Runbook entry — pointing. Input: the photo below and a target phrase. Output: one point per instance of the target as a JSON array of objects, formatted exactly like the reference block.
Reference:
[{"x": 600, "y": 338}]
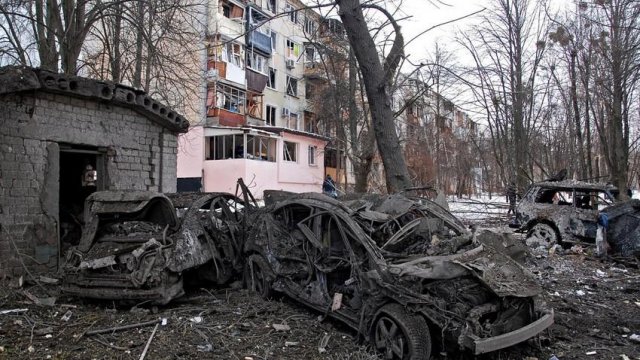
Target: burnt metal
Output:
[
  {"x": 562, "y": 211},
  {"x": 354, "y": 260},
  {"x": 138, "y": 245}
]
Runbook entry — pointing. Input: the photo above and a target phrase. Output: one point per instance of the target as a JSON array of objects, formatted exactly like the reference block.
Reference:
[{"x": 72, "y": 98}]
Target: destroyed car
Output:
[
  {"x": 403, "y": 272},
  {"x": 562, "y": 211},
  {"x": 137, "y": 245}
]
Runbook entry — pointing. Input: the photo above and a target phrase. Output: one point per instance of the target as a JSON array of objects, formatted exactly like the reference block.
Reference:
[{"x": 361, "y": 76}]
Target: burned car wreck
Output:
[
  {"x": 138, "y": 245},
  {"x": 401, "y": 271},
  {"x": 562, "y": 211}
]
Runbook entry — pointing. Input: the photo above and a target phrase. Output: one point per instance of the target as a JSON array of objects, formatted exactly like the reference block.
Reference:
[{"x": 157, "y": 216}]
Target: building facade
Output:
[
  {"x": 258, "y": 124},
  {"x": 62, "y": 138}
]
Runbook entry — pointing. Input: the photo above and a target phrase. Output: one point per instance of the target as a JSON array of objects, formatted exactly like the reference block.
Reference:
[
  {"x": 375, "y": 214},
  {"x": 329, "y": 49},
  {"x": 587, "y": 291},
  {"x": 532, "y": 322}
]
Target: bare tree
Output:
[{"x": 507, "y": 48}]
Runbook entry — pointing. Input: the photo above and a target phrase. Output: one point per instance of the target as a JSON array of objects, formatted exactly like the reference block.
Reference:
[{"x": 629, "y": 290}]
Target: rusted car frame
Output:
[
  {"x": 134, "y": 246},
  {"x": 380, "y": 261}
]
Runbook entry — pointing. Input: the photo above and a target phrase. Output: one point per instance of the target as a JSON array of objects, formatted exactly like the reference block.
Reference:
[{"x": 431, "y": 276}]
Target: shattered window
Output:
[
  {"x": 224, "y": 147},
  {"x": 261, "y": 148},
  {"x": 292, "y": 86},
  {"x": 554, "y": 196},
  {"x": 230, "y": 98},
  {"x": 289, "y": 151}
]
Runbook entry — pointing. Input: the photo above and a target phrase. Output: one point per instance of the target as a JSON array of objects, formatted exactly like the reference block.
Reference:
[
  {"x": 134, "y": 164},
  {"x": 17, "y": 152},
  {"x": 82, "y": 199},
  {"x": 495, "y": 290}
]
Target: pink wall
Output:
[
  {"x": 222, "y": 175},
  {"x": 191, "y": 152}
]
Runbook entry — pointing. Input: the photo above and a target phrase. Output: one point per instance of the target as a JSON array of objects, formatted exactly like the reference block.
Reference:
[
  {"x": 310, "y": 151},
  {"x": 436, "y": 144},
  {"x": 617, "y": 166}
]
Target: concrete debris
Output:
[
  {"x": 635, "y": 337},
  {"x": 281, "y": 327}
]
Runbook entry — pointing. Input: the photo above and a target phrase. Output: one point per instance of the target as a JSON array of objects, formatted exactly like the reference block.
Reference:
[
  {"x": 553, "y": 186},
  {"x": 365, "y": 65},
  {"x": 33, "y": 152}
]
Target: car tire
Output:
[
  {"x": 398, "y": 335},
  {"x": 545, "y": 234},
  {"x": 258, "y": 277}
]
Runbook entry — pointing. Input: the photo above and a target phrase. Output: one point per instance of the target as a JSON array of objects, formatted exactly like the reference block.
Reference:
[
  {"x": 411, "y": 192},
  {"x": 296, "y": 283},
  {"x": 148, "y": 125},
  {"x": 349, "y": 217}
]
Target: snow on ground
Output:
[{"x": 480, "y": 210}]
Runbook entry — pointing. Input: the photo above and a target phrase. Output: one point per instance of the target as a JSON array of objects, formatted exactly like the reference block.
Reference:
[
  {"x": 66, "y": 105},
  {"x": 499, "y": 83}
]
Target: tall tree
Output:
[
  {"x": 507, "y": 48},
  {"x": 377, "y": 77}
]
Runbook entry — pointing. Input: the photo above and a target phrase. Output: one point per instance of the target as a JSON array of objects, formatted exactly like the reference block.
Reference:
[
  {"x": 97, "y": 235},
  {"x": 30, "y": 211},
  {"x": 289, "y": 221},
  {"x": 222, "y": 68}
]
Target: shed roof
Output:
[{"x": 15, "y": 79}]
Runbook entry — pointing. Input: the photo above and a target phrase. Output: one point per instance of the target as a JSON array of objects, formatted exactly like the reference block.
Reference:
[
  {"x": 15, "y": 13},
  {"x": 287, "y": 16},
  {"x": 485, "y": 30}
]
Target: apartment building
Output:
[
  {"x": 258, "y": 125},
  {"x": 437, "y": 137}
]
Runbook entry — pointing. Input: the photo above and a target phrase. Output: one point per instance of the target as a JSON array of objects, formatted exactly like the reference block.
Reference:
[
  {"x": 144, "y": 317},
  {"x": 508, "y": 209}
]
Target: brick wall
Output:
[{"x": 142, "y": 156}]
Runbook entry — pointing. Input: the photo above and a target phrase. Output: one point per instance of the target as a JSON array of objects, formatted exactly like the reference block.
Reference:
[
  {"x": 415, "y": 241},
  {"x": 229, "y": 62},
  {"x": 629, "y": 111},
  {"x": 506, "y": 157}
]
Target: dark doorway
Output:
[{"x": 81, "y": 174}]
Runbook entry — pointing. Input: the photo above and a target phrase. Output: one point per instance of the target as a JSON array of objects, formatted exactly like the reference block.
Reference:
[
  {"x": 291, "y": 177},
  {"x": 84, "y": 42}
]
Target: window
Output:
[
  {"x": 289, "y": 151},
  {"x": 292, "y": 50},
  {"x": 309, "y": 54},
  {"x": 232, "y": 53},
  {"x": 261, "y": 148},
  {"x": 309, "y": 25},
  {"x": 271, "y": 115},
  {"x": 257, "y": 62},
  {"x": 292, "y": 121},
  {"x": 292, "y": 86},
  {"x": 292, "y": 13},
  {"x": 272, "y": 6},
  {"x": 223, "y": 147},
  {"x": 274, "y": 41},
  {"x": 312, "y": 155},
  {"x": 230, "y": 98},
  {"x": 271, "y": 82},
  {"x": 230, "y": 10}
]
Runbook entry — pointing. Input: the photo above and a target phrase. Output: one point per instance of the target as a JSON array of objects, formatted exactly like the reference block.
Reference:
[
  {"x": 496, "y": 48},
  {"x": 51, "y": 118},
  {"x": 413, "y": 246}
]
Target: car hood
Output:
[{"x": 496, "y": 270}]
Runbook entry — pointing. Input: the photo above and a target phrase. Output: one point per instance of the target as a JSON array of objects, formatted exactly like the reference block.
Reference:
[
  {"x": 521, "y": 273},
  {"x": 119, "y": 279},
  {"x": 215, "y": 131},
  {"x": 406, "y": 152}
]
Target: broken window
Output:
[
  {"x": 261, "y": 148},
  {"x": 271, "y": 115},
  {"x": 232, "y": 53},
  {"x": 292, "y": 50},
  {"x": 231, "y": 10},
  {"x": 292, "y": 86},
  {"x": 224, "y": 147},
  {"x": 230, "y": 98},
  {"x": 257, "y": 62},
  {"x": 233, "y": 147},
  {"x": 271, "y": 82},
  {"x": 290, "y": 151}
]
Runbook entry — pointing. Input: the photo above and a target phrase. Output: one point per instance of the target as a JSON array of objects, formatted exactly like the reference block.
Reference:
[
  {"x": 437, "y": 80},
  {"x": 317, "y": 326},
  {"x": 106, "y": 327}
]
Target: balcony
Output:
[
  {"x": 225, "y": 117},
  {"x": 314, "y": 71},
  {"x": 256, "y": 81},
  {"x": 259, "y": 41}
]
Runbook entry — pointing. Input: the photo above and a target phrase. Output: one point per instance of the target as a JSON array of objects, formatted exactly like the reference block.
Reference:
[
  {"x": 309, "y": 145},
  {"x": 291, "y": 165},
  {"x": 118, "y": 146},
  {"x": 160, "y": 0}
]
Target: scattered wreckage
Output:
[
  {"x": 569, "y": 211},
  {"x": 403, "y": 272},
  {"x": 134, "y": 246}
]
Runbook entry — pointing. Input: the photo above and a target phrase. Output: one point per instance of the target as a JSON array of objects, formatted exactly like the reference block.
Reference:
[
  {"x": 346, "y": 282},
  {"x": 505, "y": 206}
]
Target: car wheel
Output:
[
  {"x": 542, "y": 234},
  {"x": 257, "y": 276},
  {"x": 398, "y": 335}
]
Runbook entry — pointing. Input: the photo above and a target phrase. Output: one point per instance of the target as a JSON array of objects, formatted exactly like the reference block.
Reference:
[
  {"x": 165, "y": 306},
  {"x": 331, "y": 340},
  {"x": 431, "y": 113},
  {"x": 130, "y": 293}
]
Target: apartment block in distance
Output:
[{"x": 258, "y": 126}]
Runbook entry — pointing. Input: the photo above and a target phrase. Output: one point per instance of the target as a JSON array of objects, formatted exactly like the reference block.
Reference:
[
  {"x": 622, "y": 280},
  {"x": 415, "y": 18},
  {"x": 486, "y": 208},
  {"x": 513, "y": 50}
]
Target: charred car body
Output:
[
  {"x": 562, "y": 211},
  {"x": 402, "y": 272},
  {"x": 134, "y": 245}
]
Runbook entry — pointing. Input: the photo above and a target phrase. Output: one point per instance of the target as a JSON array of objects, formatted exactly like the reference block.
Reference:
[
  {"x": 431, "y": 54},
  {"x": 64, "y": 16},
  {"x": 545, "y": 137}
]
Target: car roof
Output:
[{"x": 575, "y": 184}]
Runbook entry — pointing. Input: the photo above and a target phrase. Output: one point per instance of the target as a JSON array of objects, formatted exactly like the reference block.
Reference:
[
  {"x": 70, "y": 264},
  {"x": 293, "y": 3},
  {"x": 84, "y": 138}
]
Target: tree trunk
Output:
[{"x": 376, "y": 84}]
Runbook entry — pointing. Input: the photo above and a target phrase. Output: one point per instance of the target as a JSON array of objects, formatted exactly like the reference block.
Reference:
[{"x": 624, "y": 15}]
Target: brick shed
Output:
[{"x": 63, "y": 137}]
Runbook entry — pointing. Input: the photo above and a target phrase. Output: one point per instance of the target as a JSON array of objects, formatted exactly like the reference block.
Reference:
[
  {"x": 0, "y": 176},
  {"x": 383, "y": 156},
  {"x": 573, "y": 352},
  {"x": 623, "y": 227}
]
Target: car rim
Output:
[{"x": 390, "y": 339}]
